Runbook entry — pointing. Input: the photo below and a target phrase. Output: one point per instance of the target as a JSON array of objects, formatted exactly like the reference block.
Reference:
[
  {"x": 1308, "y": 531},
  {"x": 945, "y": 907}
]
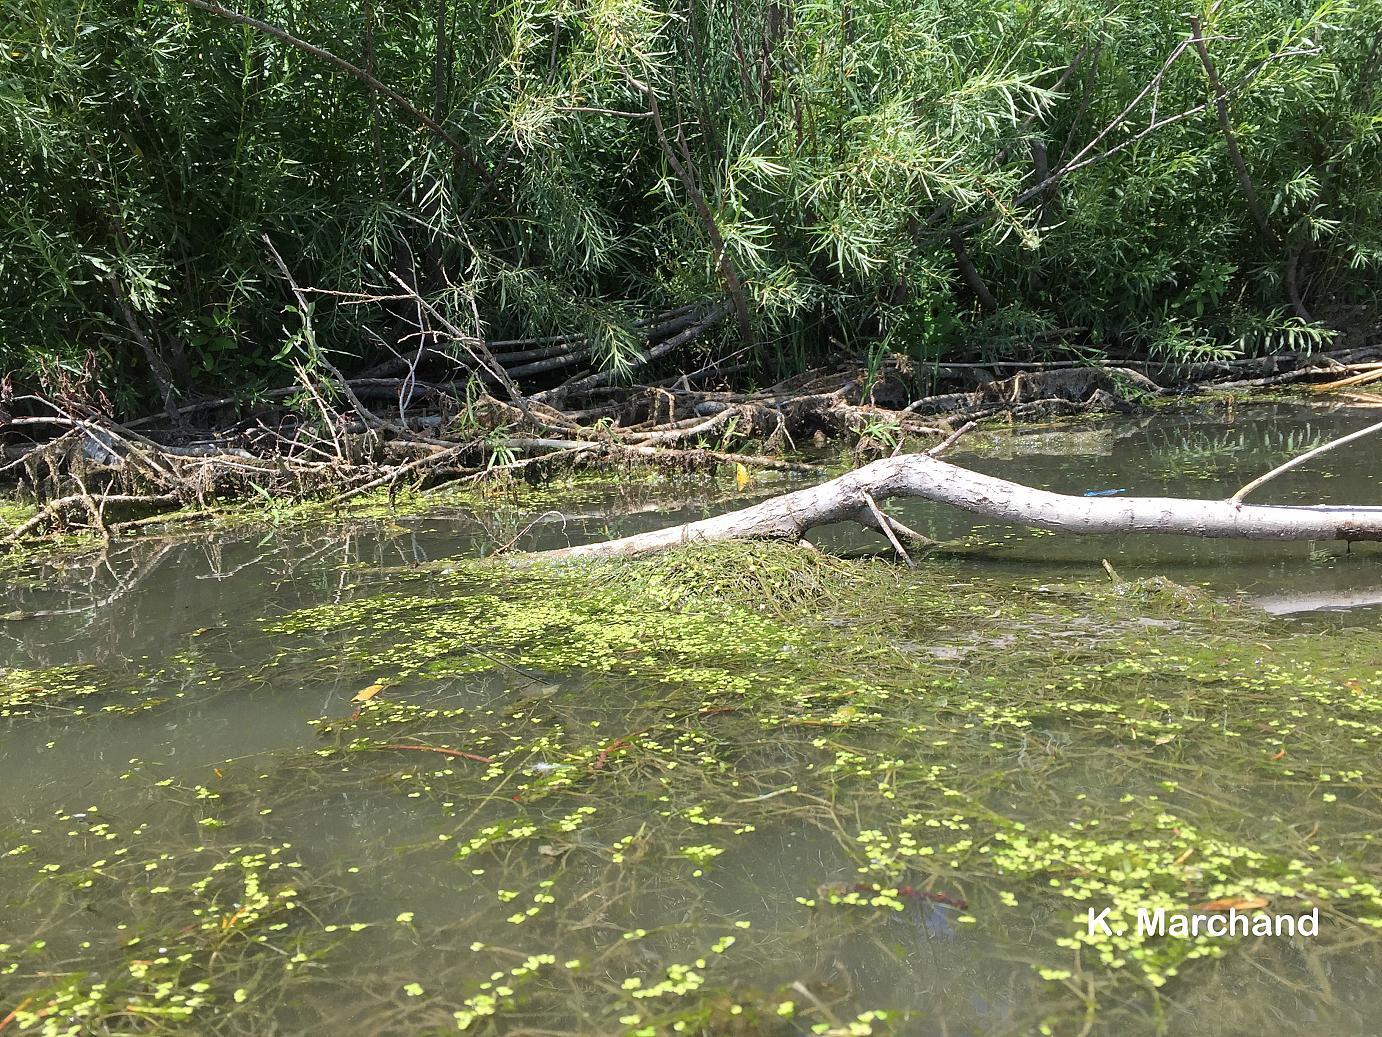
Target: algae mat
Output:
[{"x": 741, "y": 790}]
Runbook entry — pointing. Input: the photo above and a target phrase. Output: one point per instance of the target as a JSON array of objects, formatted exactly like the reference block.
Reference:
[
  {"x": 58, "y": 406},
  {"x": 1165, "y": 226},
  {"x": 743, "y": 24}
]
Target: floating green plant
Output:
[{"x": 750, "y": 790}]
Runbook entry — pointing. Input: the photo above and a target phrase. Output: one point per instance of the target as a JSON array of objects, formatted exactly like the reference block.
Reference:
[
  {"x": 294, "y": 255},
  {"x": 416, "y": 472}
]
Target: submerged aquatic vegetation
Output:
[
  {"x": 23, "y": 691},
  {"x": 125, "y": 940},
  {"x": 90, "y": 689},
  {"x": 679, "y": 796}
]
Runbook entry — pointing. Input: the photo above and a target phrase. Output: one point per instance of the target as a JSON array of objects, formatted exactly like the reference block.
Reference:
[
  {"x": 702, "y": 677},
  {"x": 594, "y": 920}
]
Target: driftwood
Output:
[
  {"x": 1321, "y": 601},
  {"x": 853, "y": 498},
  {"x": 481, "y": 407}
]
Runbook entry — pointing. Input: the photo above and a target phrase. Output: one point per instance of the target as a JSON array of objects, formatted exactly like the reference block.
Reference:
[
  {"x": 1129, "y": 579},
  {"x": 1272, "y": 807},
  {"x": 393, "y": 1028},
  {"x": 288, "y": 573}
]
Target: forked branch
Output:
[{"x": 855, "y": 495}]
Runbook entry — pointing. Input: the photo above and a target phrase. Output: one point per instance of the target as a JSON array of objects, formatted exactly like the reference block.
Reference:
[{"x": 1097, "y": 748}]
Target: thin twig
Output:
[
  {"x": 158, "y": 366},
  {"x": 455, "y": 753},
  {"x": 476, "y": 346},
  {"x": 523, "y": 532},
  {"x": 1237, "y": 498},
  {"x": 885, "y": 526},
  {"x": 949, "y": 440},
  {"x": 1240, "y": 167},
  {"x": 53, "y": 508},
  {"x": 681, "y": 167},
  {"x": 394, "y": 474}
]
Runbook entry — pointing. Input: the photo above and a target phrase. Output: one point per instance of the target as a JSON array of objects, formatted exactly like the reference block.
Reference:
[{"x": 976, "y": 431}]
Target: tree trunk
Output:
[{"x": 846, "y": 499}]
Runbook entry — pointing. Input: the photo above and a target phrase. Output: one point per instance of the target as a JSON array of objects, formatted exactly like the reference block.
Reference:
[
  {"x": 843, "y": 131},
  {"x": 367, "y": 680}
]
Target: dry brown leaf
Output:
[
  {"x": 365, "y": 694},
  {"x": 1235, "y": 904}
]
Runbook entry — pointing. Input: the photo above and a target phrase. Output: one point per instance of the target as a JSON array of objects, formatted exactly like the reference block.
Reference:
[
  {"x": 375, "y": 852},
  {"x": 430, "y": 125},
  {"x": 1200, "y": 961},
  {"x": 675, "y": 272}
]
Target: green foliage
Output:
[{"x": 843, "y": 148}]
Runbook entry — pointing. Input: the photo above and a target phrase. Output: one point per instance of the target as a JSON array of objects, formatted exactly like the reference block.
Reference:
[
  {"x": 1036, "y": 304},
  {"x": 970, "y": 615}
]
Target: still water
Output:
[{"x": 349, "y": 777}]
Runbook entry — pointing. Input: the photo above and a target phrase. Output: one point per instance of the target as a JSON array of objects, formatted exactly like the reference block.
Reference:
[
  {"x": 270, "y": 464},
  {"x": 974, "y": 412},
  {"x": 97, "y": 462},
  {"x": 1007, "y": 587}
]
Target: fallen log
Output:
[
  {"x": 1322, "y": 601},
  {"x": 847, "y": 499}
]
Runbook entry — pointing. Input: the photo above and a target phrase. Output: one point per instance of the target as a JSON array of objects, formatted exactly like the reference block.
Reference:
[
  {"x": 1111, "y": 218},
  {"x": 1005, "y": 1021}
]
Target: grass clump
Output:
[
  {"x": 763, "y": 576},
  {"x": 14, "y": 513}
]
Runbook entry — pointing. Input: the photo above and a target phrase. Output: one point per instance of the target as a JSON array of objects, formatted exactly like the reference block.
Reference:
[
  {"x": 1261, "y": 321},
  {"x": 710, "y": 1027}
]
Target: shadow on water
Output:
[{"x": 342, "y": 778}]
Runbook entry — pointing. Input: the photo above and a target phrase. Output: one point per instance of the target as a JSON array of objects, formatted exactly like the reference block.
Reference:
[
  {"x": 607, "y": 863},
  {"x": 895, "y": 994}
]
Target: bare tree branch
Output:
[
  {"x": 1235, "y": 156},
  {"x": 733, "y": 285}
]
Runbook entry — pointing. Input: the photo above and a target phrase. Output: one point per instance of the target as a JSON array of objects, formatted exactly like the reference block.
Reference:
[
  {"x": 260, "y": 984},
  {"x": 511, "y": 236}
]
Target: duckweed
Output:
[{"x": 751, "y": 790}]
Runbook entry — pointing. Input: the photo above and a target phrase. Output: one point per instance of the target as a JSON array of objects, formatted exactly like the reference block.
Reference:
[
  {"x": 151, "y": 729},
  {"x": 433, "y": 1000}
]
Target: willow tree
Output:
[{"x": 934, "y": 179}]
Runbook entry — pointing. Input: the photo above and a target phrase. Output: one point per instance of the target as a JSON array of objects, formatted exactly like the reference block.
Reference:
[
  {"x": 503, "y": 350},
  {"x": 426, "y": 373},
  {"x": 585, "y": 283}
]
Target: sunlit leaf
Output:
[
  {"x": 1244, "y": 903},
  {"x": 365, "y": 694}
]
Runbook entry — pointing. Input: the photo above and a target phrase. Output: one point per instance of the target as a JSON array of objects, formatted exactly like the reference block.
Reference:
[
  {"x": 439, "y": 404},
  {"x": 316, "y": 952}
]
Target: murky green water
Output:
[{"x": 725, "y": 792}]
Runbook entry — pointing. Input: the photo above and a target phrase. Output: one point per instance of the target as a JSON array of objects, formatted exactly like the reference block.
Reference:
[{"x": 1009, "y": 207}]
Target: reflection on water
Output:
[
  {"x": 715, "y": 823},
  {"x": 1188, "y": 455}
]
